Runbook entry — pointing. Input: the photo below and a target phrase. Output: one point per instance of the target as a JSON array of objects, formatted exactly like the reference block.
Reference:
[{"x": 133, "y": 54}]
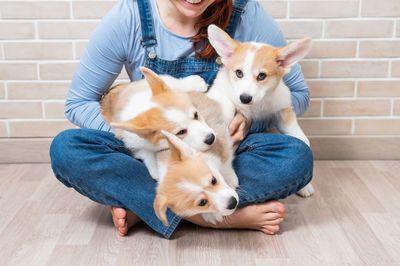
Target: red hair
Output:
[{"x": 217, "y": 13}]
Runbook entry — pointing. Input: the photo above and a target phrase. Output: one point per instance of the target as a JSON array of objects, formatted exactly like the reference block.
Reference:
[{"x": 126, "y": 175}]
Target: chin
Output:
[{"x": 192, "y": 10}]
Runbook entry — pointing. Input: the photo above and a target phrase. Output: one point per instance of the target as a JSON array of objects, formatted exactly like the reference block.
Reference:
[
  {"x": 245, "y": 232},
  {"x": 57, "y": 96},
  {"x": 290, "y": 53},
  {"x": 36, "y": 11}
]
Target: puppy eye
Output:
[
  {"x": 239, "y": 73},
  {"x": 196, "y": 116},
  {"x": 261, "y": 76},
  {"x": 181, "y": 132},
  {"x": 203, "y": 202},
  {"x": 213, "y": 181}
]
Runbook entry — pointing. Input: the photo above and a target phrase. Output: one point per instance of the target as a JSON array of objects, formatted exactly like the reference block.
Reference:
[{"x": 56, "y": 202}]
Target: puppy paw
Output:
[
  {"x": 306, "y": 191},
  {"x": 197, "y": 83}
]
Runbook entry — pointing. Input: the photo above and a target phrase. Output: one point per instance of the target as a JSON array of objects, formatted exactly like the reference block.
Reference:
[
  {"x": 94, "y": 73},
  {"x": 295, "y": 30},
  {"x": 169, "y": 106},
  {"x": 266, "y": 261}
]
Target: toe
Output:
[
  {"x": 121, "y": 222},
  {"x": 269, "y": 216},
  {"x": 272, "y": 228},
  {"x": 266, "y": 231},
  {"x": 274, "y": 222},
  {"x": 119, "y": 213},
  {"x": 274, "y": 206}
]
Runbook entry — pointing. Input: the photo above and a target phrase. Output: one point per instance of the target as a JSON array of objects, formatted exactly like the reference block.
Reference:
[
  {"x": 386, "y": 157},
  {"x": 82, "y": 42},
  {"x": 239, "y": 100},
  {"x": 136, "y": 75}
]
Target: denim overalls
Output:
[
  {"x": 206, "y": 68},
  {"x": 269, "y": 166}
]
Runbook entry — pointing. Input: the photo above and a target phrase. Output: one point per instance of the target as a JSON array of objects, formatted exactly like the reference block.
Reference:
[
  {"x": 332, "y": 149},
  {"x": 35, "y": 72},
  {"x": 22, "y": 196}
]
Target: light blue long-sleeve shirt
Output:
[{"x": 116, "y": 43}]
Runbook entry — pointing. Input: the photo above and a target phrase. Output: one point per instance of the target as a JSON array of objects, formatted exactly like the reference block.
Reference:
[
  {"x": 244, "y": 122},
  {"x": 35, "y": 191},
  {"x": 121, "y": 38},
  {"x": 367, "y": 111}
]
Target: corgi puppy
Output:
[
  {"x": 192, "y": 185},
  {"x": 138, "y": 111},
  {"x": 250, "y": 82}
]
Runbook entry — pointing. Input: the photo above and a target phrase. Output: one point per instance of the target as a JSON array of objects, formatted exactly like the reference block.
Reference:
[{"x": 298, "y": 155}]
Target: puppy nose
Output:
[
  {"x": 209, "y": 139},
  {"x": 232, "y": 203},
  {"x": 245, "y": 98}
]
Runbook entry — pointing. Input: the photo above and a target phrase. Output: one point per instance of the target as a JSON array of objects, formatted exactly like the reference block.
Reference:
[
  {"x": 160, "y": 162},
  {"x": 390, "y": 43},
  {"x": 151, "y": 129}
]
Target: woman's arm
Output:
[{"x": 101, "y": 64}]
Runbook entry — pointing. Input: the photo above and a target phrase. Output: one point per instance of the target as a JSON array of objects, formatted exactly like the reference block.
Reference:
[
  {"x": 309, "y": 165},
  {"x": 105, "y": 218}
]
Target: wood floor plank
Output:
[
  {"x": 46, "y": 232},
  {"x": 352, "y": 219},
  {"x": 324, "y": 228},
  {"x": 356, "y": 190},
  {"x": 359, "y": 234}
]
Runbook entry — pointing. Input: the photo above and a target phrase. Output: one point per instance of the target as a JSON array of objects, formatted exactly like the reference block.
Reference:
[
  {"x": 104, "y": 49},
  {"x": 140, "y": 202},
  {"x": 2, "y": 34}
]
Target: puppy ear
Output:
[
  {"x": 289, "y": 55},
  {"x": 157, "y": 85},
  {"x": 160, "y": 208},
  {"x": 180, "y": 150},
  {"x": 222, "y": 42},
  {"x": 143, "y": 124}
]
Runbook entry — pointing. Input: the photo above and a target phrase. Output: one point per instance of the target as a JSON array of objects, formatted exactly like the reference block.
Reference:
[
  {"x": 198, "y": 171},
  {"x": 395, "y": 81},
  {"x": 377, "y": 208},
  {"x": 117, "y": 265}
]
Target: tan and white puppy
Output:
[
  {"x": 138, "y": 111},
  {"x": 251, "y": 82},
  {"x": 192, "y": 185}
]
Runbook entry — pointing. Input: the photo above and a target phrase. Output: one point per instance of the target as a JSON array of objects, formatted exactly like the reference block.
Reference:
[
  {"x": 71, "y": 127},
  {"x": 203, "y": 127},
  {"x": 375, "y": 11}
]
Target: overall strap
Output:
[
  {"x": 238, "y": 10},
  {"x": 146, "y": 20}
]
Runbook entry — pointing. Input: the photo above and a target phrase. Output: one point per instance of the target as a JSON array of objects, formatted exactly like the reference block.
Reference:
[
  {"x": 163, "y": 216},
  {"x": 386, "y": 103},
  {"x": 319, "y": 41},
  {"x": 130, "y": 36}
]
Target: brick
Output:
[
  {"x": 25, "y": 150},
  {"x": 314, "y": 109},
  {"x": 66, "y": 30},
  {"x": 10, "y": 71},
  {"x": 354, "y": 69},
  {"x": 2, "y": 94},
  {"x": 91, "y": 9},
  {"x": 310, "y": 69},
  {"x": 323, "y": 9},
  {"x": 57, "y": 71},
  {"x": 396, "y": 107},
  {"x": 34, "y": 10},
  {"x": 325, "y": 88},
  {"x": 396, "y": 69},
  {"x": 80, "y": 48},
  {"x": 356, "y": 107},
  {"x": 54, "y": 109},
  {"x": 3, "y": 129},
  {"x": 323, "y": 126},
  {"x": 37, "y": 90},
  {"x": 377, "y": 127},
  {"x": 38, "y": 128},
  {"x": 378, "y": 88},
  {"x": 17, "y": 30},
  {"x": 356, "y": 148},
  {"x": 20, "y": 110},
  {"x": 380, "y": 48},
  {"x": 301, "y": 29},
  {"x": 333, "y": 49},
  {"x": 277, "y": 9},
  {"x": 38, "y": 50},
  {"x": 382, "y": 8},
  {"x": 359, "y": 28}
]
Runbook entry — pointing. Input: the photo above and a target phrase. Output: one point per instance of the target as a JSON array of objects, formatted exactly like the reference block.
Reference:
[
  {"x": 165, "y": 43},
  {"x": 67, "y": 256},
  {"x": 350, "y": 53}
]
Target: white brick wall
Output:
[{"x": 353, "y": 72}]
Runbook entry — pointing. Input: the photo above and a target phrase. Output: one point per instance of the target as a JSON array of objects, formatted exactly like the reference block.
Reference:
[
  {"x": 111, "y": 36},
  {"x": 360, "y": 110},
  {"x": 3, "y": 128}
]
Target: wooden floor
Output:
[{"x": 353, "y": 218}]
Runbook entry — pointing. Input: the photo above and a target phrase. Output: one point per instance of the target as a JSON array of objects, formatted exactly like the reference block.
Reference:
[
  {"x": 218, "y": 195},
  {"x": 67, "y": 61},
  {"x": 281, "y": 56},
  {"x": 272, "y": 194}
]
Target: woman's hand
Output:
[{"x": 239, "y": 128}]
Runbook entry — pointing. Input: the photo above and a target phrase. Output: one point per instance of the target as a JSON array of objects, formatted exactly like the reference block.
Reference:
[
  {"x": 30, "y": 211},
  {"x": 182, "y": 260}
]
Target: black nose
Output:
[
  {"x": 232, "y": 203},
  {"x": 210, "y": 139},
  {"x": 245, "y": 98}
]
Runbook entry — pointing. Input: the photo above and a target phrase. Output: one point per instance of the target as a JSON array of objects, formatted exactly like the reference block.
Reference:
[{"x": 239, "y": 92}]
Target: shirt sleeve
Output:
[
  {"x": 100, "y": 65},
  {"x": 271, "y": 34}
]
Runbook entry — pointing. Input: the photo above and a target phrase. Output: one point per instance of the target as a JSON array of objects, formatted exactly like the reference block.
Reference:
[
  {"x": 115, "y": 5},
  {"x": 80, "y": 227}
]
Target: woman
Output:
[{"x": 169, "y": 36}]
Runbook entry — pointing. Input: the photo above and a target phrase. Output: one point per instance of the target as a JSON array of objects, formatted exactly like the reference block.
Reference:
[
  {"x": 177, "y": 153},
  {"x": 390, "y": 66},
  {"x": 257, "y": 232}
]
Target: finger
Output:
[{"x": 235, "y": 123}]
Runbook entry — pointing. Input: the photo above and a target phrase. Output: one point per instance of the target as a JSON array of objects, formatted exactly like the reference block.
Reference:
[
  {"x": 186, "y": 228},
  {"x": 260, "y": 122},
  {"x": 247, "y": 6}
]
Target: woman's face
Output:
[{"x": 191, "y": 8}]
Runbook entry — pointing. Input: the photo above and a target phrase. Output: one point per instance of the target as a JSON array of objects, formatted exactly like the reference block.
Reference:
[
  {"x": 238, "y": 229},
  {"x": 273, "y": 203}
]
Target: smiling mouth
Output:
[{"x": 193, "y": 2}]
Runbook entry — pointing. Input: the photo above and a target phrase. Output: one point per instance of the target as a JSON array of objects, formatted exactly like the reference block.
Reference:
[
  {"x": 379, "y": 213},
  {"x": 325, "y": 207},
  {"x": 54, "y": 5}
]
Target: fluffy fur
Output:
[
  {"x": 251, "y": 82},
  {"x": 138, "y": 111}
]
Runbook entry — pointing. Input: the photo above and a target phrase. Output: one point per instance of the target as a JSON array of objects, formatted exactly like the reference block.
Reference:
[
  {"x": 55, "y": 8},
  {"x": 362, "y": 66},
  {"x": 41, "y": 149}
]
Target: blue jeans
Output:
[{"x": 97, "y": 165}]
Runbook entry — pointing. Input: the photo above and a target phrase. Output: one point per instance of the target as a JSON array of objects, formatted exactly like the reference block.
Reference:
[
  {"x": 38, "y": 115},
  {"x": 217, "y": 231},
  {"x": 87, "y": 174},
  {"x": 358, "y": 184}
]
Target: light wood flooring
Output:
[{"x": 353, "y": 219}]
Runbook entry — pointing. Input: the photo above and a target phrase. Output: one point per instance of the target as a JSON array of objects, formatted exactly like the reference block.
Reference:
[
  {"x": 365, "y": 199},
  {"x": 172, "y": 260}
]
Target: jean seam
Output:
[
  {"x": 171, "y": 228},
  {"x": 260, "y": 197}
]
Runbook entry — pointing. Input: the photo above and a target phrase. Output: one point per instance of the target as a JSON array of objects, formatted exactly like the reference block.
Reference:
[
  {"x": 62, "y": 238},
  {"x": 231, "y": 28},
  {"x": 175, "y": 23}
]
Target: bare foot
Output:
[
  {"x": 265, "y": 217},
  {"x": 123, "y": 219}
]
